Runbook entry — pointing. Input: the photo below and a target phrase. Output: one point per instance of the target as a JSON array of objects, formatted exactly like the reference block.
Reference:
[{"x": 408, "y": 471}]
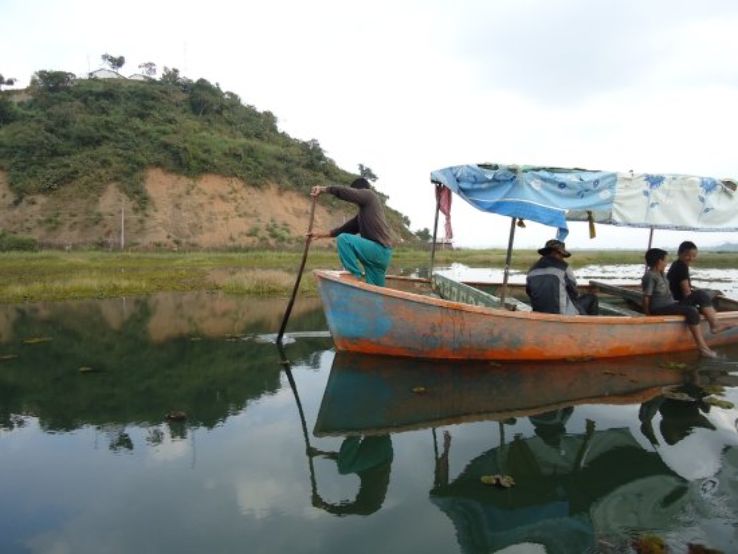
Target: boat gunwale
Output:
[{"x": 339, "y": 277}]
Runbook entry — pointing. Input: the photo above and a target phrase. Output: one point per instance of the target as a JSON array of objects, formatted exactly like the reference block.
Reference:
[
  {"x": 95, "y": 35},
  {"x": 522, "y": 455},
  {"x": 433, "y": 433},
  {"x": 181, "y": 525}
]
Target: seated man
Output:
[
  {"x": 681, "y": 286},
  {"x": 657, "y": 299},
  {"x": 551, "y": 285}
]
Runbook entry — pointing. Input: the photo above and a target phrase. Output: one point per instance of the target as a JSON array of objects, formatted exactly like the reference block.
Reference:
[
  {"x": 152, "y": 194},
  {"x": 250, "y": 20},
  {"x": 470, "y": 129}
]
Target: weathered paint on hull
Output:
[{"x": 376, "y": 320}]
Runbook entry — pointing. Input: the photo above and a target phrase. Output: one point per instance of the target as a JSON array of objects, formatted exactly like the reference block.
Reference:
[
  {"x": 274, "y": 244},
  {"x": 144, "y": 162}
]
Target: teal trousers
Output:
[{"x": 354, "y": 251}]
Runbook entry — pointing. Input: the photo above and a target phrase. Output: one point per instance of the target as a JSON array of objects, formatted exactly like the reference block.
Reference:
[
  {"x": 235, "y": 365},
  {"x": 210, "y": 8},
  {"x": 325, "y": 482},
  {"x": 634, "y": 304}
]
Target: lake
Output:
[{"x": 172, "y": 424}]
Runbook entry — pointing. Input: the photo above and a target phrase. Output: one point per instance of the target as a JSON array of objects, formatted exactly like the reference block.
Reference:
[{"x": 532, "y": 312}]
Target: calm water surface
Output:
[{"x": 342, "y": 453}]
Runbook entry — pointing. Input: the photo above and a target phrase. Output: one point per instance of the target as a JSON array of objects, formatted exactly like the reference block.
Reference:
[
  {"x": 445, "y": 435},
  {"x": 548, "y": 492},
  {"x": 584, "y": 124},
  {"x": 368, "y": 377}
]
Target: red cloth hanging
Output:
[{"x": 443, "y": 197}]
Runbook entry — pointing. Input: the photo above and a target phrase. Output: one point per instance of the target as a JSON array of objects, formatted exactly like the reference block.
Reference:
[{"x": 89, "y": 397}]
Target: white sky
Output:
[{"x": 406, "y": 87}]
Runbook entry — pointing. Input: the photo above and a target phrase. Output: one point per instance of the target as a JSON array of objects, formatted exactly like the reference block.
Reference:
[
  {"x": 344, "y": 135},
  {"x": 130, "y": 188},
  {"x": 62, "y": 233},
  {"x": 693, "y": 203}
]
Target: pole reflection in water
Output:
[{"x": 370, "y": 458}]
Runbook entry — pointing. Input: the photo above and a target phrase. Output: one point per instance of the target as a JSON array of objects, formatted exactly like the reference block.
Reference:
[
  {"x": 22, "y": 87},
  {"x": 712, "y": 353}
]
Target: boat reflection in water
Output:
[{"x": 573, "y": 491}]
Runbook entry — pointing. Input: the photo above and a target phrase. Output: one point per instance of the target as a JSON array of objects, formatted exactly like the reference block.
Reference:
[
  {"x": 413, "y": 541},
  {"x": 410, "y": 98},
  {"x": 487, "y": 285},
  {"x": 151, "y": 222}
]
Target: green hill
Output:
[{"x": 71, "y": 138}]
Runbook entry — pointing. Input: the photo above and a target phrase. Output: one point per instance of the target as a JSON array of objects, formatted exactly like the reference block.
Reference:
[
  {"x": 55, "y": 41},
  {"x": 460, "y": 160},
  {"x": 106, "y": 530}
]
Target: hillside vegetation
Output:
[{"x": 79, "y": 136}]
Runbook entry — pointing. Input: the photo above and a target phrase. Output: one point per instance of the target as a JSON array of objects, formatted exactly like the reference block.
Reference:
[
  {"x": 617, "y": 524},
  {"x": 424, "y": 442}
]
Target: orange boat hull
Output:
[{"x": 380, "y": 320}]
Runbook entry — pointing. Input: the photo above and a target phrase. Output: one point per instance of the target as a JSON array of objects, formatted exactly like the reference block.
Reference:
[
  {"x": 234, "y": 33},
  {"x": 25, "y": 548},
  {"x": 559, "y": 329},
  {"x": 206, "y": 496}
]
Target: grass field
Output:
[{"x": 57, "y": 275}]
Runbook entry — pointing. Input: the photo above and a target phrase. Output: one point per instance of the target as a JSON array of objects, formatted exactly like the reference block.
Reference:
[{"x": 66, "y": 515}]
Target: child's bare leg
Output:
[
  {"x": 705, "y": 350},
  {"x": 715, "y": 325}
]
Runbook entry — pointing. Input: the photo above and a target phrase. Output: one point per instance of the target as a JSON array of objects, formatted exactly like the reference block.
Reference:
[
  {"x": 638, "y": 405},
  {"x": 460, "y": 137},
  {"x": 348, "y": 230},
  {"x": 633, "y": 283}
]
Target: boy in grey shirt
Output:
[{"x": 657, "y": 299}]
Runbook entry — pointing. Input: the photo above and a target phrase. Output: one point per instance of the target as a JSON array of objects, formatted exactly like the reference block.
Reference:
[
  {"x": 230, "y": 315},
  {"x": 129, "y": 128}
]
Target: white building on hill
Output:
[{"x": 104, "y": 73}]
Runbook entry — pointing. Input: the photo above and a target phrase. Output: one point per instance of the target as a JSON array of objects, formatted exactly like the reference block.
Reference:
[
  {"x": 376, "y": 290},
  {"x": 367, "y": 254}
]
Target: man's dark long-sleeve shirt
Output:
[{"x": 369, "y": 222}]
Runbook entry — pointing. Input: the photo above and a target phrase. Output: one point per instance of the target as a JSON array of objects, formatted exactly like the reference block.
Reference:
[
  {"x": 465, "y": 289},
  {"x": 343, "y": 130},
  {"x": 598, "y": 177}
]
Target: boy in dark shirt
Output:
[
  {"x": 681, "y": 286},
  {"x": 365, "y": 239}
]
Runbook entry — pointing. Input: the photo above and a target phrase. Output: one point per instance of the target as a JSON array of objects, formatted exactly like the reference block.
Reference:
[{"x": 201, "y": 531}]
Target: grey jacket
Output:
[{"x": 551, "y": 287}]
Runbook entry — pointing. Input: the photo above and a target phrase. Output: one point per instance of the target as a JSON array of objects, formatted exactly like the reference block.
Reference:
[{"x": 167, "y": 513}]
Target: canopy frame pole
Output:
[
  {"x": 650, "y": 239},
  {"x": 508, "y": 257},
  {"x": 435, "y": 234}
]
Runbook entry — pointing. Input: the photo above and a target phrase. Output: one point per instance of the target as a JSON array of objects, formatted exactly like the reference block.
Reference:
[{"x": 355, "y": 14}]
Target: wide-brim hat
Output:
[{"x": 557, "y": 245}]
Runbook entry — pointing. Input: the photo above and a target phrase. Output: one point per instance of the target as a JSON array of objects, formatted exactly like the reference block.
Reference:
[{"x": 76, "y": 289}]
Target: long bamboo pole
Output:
[{"x": 308, "y": 239}]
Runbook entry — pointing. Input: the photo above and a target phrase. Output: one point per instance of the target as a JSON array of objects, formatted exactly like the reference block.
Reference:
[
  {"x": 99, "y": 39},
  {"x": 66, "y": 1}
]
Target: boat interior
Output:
[{"x": 617, "y": 300}]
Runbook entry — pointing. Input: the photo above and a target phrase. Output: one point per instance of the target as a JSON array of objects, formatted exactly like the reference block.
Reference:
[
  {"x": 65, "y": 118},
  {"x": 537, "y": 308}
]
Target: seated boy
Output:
[
  {"x": 681, "y": 286},
  {"x": 657, "y": 299}
]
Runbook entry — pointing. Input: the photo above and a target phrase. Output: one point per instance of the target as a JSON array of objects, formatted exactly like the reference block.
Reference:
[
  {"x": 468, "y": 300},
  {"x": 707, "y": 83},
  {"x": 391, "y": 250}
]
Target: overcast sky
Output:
[{"x": 406, "y": 87}]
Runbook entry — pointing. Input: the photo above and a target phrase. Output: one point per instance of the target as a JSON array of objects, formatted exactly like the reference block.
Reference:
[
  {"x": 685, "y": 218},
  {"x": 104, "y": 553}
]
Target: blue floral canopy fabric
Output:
[{"x": 553, "y": 196}]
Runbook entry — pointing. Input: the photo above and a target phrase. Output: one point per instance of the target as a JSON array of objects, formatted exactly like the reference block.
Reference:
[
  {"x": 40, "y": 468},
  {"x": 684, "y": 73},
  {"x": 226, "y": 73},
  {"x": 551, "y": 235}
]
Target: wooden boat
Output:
[
  {"x": 392, "y": 321},
  {"x": 467, "y": 323}
]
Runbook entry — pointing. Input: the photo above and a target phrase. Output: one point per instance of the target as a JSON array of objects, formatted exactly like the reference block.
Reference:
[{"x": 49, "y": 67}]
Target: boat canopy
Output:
[{"x": 552, "y": 196}]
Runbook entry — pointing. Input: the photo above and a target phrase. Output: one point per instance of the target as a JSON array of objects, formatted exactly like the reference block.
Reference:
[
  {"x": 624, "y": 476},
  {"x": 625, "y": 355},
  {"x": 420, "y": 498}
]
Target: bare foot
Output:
[
  {"x": 707, "y": 353},
  {"x": 721, "y": 329}
]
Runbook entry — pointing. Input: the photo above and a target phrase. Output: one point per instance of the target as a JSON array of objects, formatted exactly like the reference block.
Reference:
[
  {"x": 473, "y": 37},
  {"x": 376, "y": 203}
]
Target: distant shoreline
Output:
[{"x": 58, "y": 275}]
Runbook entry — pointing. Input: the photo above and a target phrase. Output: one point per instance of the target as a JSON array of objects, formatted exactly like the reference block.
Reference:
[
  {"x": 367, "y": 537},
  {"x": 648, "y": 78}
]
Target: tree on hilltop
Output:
[
  {"x": 9, "y": 82},
  {"x": 423, "y": 234},
  {"x": 172, "y": 77},
  {"x": 52, "y": 81},
  {"x": 148, "y": 68},
  {"x": 205, "y": 98},
  {"x": 367, "y": 173},
  {"x": 114, "y": 62}
]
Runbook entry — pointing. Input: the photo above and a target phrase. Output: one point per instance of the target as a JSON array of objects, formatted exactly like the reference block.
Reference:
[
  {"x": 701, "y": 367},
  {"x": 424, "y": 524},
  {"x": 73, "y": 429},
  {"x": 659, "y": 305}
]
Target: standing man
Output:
[
  {"x": 552, "y": 287},
  {"x": 363, "y": 241}
]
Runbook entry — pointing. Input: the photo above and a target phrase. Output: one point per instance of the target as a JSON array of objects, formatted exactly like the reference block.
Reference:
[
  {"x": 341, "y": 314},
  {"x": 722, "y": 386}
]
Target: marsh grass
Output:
[
  {"x": 56, "y": 275},
  {"x": 264, "y": 282}
]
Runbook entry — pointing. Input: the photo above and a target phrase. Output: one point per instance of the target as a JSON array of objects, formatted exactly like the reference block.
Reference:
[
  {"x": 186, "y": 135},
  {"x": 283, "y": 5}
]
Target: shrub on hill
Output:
[
  {"x": 86, "y": 133},
  {"x": 92, "y": 132},
  {"x": 9, "y": 241}
]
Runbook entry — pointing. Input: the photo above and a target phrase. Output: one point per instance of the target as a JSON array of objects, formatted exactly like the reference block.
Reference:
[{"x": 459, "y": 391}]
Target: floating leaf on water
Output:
[
  {"x": 649, "y": 544},
  {"x": 676, "y": 392},
  {"x": 176, "y": 416},
  {"x": 676, "y": 395},
  {"x": 489, "y": 479},
  {"x": 36, "y": 340},
  {"x": 673, "y": 365},
  {"x": 504, "y": 481},
  {"x": 6, "y": 357},
  {"x": 701, "y": 549},
  {"x": 86, "y": 369},
  {"x": 719, "y": 403},
  {"x": 420, "y": 390},
  {"x": 195, "y": 339}
]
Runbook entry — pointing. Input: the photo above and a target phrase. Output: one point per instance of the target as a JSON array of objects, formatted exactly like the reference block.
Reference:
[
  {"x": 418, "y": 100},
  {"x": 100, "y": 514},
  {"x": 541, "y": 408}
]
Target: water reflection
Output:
[
  {"x": 573, "y": 492},
  {"x": 163, "y": 416},
  {"x": 120, "y": 362}
]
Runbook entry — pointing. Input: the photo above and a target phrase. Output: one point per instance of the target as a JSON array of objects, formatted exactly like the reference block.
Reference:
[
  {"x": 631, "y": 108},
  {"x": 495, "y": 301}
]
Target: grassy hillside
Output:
[{"x": 84, "y": 134}]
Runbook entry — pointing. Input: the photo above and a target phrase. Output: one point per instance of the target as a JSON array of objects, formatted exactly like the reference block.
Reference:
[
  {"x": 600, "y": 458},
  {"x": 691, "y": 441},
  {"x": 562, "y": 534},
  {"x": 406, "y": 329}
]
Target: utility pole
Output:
[{"x": 122, "y": 227}]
